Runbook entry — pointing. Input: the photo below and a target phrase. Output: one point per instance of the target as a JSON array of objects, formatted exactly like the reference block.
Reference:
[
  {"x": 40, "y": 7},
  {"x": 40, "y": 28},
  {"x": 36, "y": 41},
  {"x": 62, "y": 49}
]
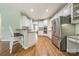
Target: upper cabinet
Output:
[
  {"x": 25, "y": 22},
  {"x": 64, "y": 15},
  {"x": 70, "y": 11},
  {"x": 66, "y": 10},
  {"x": 75, "y": 13}
]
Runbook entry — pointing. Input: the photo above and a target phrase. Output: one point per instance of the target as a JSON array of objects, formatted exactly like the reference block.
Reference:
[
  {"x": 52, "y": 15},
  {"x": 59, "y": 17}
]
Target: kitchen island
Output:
[{"x": 30, "y": 37}]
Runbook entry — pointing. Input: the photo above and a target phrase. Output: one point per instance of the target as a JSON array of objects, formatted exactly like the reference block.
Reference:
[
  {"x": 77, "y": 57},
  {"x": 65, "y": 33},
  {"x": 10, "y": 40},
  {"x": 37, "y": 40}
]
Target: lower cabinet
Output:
[{"x": 72, "y": 45}]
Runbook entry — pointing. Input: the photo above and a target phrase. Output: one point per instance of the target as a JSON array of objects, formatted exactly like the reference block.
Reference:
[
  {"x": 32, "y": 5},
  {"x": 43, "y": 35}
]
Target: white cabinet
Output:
[
  {"x": 25, "y": 22},
  {"x": 29, "y": 38},
  {"x": 67, "y": 10},
  {"x": 25, "y": 38},
  {"x": 32, "y": 36},
  {"x": 72, "y": 44},
  {"x": 60, "y": 13},
  {"x": 75, "y": 13}
]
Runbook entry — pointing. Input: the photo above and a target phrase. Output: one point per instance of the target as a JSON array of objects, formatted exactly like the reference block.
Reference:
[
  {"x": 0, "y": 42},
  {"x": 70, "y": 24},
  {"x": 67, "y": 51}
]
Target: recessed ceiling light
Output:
[
  {"x": 32, "y": 10},
  {"x": 47, "y": 10}
]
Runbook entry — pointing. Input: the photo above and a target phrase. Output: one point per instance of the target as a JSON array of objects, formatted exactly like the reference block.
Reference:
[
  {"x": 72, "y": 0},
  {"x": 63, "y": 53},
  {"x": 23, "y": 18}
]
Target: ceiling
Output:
[{"x": 36, "y": 11}]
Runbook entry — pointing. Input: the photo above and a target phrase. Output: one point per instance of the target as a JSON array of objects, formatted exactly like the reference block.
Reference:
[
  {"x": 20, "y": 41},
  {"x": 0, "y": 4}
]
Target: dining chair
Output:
[{"x": 14, "y": 39}]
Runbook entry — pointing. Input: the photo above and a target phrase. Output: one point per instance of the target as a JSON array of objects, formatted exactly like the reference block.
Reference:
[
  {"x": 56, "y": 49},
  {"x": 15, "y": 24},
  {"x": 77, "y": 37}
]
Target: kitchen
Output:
[{"x": 62, "y": 28}]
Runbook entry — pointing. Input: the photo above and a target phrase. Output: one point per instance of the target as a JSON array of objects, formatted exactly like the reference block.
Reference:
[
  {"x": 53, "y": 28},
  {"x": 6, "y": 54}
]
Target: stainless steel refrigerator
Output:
[{"x": 61, "y": 28}]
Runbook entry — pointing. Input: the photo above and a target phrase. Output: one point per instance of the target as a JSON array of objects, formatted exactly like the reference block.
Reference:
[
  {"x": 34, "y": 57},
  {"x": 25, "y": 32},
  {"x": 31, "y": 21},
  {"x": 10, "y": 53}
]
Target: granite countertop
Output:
[
  {"x": 28, "y": 30},
  {"x": 74, "y": 38},
  {"x": 21, "y": 29},
  {"x": 32, "y": 31}
]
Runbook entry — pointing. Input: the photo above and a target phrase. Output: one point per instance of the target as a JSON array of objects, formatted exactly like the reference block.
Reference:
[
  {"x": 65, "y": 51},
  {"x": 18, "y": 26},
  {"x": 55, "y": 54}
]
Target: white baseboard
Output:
[{"x": 28, "y": 46}]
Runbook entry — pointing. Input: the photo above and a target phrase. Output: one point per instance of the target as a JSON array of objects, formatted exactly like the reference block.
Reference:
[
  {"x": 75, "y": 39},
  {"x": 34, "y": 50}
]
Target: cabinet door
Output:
[
  {"x": 67, "y": 10},
  {"x": 75, "y": 13}
]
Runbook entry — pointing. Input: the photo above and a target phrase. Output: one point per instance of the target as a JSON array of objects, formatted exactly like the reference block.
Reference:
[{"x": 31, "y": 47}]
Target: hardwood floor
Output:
[{"x": 43, "y": 47}]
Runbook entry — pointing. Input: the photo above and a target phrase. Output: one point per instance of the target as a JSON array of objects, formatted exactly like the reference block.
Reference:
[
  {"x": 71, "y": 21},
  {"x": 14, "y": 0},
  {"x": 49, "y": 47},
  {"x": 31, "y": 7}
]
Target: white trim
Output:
[{"x": 28, "y": 47}]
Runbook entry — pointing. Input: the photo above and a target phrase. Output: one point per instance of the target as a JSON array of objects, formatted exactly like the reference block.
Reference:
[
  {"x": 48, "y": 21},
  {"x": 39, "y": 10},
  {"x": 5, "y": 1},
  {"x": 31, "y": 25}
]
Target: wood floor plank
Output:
[{"x": 42, "y": 47}]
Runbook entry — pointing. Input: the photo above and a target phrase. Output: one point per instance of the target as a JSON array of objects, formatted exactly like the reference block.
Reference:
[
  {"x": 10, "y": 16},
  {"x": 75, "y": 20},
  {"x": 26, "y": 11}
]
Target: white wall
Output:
[
  {"x": 40, "y": 24},
  {"x": 10, "y": 17}
]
